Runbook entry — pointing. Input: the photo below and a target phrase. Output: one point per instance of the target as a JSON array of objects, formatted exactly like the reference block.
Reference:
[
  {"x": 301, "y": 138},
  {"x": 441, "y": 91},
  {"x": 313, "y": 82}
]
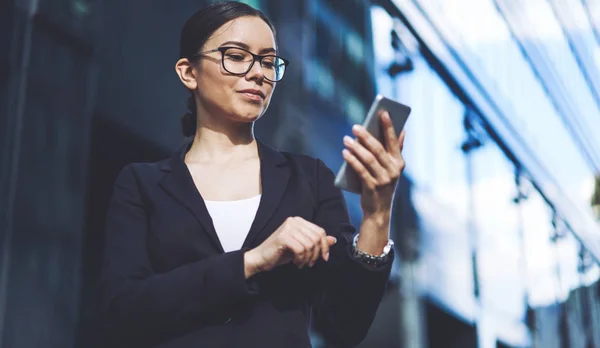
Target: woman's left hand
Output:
[{"x": 378, "y": 165}]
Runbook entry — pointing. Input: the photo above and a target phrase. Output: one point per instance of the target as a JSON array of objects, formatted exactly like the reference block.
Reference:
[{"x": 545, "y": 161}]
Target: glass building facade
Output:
[
  {"x": 47, "y": 75},
  {"x": 502, "y": 157}
]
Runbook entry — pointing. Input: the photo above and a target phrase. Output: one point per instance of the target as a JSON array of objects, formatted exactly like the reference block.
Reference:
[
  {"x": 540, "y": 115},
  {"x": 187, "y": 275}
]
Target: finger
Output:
[
  {"x": 392, "y": 146},
  {"x": 298, "y": 249},
  {"x": 360, "y": 169},
  {"x": 368, "y": 158},
  {"x": 315, "y": 238},
  {"x": 371, "y": 144},
  {"x": 327, "y": 242},
  {"x": 401, "y": 140},
  {"x": 321, "y": 240},
  {"x": 331, "y": 240},
  {"x": 317, "y": 235},
  {"x": 324, "y": 248},
  {"x": 308, "y": 245}
]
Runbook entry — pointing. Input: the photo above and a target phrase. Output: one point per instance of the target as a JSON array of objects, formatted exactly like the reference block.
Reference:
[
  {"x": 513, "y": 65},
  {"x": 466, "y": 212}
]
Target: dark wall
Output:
[
  {"x": 112, "y": 147},
  {"x": 138, "y": 88},
  {"x": 48, "y": 100}
]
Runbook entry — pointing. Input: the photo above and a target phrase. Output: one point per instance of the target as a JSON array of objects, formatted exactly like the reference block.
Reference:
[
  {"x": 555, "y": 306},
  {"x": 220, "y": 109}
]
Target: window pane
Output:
[
  {"x": 540, "y": 258},
  {"x": 498, "y": 241},
  {"x": 485, "y": 43}
]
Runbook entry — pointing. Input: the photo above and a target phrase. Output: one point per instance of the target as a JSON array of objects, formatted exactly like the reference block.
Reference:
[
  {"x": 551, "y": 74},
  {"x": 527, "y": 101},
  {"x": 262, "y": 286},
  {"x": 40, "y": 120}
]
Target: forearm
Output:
[
  {"x": 198, "y": 290},
  {"x": 346, "y": 309}
]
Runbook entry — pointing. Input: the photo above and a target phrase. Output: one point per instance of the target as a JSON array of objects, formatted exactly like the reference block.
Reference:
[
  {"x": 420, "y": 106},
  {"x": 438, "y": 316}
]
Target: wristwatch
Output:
[{"x": 369, "y": 259}]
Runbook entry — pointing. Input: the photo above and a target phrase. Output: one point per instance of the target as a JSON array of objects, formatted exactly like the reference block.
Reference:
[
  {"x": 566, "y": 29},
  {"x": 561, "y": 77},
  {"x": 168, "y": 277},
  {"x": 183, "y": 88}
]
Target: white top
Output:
[{"x": 232, "y": 220}]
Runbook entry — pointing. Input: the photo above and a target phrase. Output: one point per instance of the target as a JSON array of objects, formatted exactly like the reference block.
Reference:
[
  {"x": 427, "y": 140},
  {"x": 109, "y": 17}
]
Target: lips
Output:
[{"x": 253, "y": 91}]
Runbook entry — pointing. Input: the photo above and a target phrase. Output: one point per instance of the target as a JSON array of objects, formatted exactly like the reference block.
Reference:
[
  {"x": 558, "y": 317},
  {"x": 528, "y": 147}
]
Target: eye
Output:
[
  {"x": 236, "y": 57},
  {"x": 268, "y": 62}
]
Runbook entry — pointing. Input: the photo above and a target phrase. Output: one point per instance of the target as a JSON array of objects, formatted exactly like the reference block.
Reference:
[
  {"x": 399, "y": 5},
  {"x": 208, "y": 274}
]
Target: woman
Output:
[{"x": 230, "y": 243}]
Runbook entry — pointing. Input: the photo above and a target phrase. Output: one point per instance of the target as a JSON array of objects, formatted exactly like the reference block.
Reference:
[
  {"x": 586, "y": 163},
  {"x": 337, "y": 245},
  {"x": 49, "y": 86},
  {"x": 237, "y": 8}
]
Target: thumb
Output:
[{"x": 331, "y": 240}]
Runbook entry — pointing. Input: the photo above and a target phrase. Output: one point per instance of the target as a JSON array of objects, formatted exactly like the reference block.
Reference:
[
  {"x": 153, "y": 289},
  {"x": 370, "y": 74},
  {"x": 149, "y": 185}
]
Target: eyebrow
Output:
[{"x": 245, "y": 46}]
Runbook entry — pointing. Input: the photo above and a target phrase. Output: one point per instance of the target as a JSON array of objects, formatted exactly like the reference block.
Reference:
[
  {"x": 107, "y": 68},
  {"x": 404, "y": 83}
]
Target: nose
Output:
[{"x": 255, "y": 72}]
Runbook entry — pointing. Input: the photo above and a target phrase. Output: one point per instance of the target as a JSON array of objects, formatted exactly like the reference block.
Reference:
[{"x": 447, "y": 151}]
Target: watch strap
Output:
[{"x": 370, "y": 259}]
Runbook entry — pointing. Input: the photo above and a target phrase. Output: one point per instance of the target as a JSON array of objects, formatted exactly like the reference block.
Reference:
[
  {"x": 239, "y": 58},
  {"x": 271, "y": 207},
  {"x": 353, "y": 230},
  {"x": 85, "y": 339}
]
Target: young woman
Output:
[{"x": 230, "y": 243}]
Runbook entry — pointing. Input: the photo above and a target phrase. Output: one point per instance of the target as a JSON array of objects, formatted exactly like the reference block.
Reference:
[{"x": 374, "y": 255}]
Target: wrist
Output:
[
  {"x": 251, "y": 263},
  {"x": 374, "y": 234},
  {"x": 377, "y": 220},
  {"x": 375, "y": 260}
]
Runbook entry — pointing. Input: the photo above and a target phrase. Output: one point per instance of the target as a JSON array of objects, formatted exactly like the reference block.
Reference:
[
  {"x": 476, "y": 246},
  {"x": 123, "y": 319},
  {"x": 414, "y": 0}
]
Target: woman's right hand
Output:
[{"x": 296, "y": 240}]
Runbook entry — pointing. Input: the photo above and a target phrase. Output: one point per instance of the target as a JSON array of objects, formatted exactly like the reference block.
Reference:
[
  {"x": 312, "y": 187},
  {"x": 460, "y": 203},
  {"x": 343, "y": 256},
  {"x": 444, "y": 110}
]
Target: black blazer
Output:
[{"x": 167, "y": 282}]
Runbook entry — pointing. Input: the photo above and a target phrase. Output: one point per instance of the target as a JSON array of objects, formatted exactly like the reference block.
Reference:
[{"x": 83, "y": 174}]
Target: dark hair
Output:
[{"x": 196, "y": 31}]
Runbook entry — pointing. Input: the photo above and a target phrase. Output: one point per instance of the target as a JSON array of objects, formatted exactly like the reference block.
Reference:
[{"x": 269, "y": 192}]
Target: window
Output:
[
  {"x": 353, "y": 13},
  {"x": 498, "y": 242},
  {"x": 324, "y": 43},
  {"x": 73, "y": 17},
  {"x": 355, "y": 47},
  {"x": 486, "y": 45},
  {"x": 320, "y": 78},
  {"x": 257, "y": 4},
  {"x": 437, "y": 167},
  {"x": 540, "y": 258}
]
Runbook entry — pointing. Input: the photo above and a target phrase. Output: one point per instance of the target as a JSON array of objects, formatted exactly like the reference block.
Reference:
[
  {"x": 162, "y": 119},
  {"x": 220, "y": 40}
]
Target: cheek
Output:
[
  {"x": 270, "y": 91},
  {"x": 268, "y": 100},
  {"x": 214, "y": 82},
  {"x": 220, "y": 91}
]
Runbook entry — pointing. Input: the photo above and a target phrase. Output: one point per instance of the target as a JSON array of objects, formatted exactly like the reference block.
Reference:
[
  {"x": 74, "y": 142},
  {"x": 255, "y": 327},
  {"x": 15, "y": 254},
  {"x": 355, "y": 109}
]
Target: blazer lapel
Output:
[
  {"x": 274, "y": 176},
  {"x": 180, "y": 185}
]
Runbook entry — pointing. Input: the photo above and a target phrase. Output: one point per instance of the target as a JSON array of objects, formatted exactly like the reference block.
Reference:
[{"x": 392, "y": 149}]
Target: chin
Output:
[
  {"x": 246, "y": 116},
  {"x": 247, "y": 119},
  {"x": 249, "y": 113}
]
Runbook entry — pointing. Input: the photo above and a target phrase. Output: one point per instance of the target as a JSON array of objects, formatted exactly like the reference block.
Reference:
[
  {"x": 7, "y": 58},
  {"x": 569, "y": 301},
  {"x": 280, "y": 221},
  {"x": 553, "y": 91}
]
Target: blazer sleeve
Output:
[
  {"x": 349, "y": 298},
  {"x": 136, "y": 300}
]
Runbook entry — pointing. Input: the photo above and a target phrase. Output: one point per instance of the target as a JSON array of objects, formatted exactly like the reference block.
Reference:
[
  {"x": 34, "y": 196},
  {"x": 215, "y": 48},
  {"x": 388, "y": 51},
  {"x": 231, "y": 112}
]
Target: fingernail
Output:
[
  {"x": 334, "y": 240},
  {"x": 327, "y": 257},
  {"x": 348, "y": 140},
  {"x": 356, "y": 128}
]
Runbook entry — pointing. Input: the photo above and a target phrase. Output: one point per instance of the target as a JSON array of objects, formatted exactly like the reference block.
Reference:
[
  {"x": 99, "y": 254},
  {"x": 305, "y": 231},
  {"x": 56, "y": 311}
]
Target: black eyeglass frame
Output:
[{"x": 255, "y": 58}]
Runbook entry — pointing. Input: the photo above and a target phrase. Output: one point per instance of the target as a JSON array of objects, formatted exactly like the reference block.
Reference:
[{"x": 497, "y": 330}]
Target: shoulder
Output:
[
  {"x": 302, "y": 160},
  {"x": 139, "y": 173},
  {"x": 143, "y": 169}
]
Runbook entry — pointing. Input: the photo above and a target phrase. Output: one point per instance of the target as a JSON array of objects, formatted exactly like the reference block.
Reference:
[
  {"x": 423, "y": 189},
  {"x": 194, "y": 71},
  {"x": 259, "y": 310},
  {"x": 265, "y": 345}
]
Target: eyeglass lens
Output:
[{"x": 238, "y": 61}]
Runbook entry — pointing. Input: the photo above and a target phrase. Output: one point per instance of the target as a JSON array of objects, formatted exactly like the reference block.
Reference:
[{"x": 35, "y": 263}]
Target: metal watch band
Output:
[{"x": 369, "y": 259}]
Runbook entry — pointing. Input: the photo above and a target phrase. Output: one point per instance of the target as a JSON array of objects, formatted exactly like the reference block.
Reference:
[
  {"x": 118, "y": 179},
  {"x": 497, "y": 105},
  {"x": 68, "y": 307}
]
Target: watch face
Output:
[{"x": 387, "y": 249}]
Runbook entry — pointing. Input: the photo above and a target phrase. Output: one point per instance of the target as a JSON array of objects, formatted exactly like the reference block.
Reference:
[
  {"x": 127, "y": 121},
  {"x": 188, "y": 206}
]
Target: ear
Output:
[{"x": 187, "y": 73}]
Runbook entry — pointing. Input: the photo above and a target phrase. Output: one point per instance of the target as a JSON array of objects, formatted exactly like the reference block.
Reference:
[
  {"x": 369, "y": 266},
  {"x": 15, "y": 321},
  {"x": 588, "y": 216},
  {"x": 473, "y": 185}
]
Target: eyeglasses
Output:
[{"x": 239, "y": 61}]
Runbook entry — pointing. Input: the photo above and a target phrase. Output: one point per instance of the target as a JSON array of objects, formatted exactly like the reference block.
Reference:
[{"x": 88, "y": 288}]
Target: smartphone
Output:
[{"x": 347, "y": 178}]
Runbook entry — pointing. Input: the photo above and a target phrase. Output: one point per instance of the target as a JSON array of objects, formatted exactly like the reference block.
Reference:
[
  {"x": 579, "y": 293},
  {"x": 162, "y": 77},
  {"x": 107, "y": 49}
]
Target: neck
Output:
[{"x": 222, "y": 140}]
